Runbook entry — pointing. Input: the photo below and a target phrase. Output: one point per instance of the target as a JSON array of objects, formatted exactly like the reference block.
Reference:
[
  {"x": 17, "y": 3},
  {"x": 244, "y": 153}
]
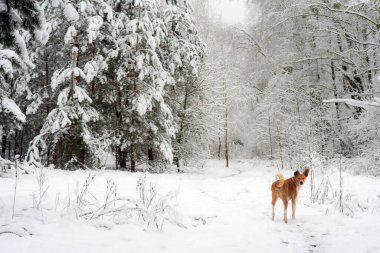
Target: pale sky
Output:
[{"x": 231, "y": 12}]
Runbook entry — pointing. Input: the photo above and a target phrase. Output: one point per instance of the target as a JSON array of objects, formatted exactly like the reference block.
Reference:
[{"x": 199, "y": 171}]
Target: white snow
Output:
[
  {"x": 9, "y": 106},
  {"x": 83, "y": 6},
  {"x": 6, "y": 66},
  {"x": 91, "y": 69},
  {"x": 79, "y": 94},
  {"x": 70, "y": 34},
  {"x": 60, "y": 77},
  {"x": 55, "y": 3},
  {"x": 70, "y": 13},
  {"x": 22, "y": 48},
  {"x": 166, "y": 150},
  {"x": 143, "y": 104},
  {"x": 94, "y": 25},
  {"x": 223, "y": 209}
]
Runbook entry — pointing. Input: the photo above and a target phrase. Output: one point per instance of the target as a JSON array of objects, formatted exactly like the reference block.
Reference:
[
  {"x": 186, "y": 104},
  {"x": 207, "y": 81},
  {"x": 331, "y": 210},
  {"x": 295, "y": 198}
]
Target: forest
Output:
[
  {"x": 139, "y": 83},
  {"x": 201, "y": 102}
]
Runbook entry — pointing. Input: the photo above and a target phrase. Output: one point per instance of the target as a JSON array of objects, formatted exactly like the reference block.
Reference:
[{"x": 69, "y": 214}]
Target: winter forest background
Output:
[
  {"x": 141, "y": 82},
  {"x": 166, "y": 85}
]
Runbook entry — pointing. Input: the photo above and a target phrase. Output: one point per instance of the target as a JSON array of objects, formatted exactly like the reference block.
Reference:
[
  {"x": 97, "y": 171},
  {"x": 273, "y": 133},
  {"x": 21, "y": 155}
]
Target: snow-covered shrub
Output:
[
  {"x": 8, "y": 168},
  {"x": 156, "y": 208},
  {"x": 344, "y": 205},
  {"x": 41, "y": 194},
  {"x": 335, "y": 194},
  {"x": 324, "y": 191},
  {"x": 364, "y": 133},
  {"x": 81, "y": 195},
  {"x": 149, "y": 209},
  {"x": 329, "y": 194}
]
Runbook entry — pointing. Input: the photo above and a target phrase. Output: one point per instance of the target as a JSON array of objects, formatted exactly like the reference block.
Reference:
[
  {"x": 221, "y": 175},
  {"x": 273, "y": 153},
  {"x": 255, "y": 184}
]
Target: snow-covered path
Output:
[{"x": 224, "y": 210}]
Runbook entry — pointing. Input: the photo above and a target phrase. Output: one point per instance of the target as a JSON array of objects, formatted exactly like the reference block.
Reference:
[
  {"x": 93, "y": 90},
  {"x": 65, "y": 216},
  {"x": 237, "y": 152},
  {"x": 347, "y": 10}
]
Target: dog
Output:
[{"x": 288, "y": 190}]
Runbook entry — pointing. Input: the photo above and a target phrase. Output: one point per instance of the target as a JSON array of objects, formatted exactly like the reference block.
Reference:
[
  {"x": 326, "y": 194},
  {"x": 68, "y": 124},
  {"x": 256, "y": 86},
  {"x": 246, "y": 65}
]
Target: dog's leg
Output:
[
  {"x": 293, "y": 209},
  {"x": 285, "y": 210},
  {"x": 274, "y": 199}
]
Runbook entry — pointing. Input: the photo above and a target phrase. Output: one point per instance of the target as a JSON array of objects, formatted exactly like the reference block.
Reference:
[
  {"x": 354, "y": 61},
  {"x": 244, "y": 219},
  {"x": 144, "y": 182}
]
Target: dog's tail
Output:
[{"x": 280, "y": 177}]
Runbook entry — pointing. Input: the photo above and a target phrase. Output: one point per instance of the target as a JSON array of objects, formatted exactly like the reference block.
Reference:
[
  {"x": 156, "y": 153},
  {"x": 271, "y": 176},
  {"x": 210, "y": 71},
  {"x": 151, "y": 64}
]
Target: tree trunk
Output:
[
  {"x": 116, "y": 158},
  {"x": 122, "y": 158},
  {"x": 178, "y": 165},
  {"x": 93, "y": 85},
  {"x": 47, "y": 82},
  {"x": 9, "y": 150},
  {"x": 121, "y": 155},
  {"x": 16, "y": 147},
  {"x": 150, "y": 147},
  {"x": 226, "y": 150},
  {"x": 150, "y": 155},
  {"x": 21, "y": 143},
  {"x": 280, "y": 146},
  {"x": 3, "y": 145},
  {"x": 179, "y": 139},
  {"x": 133, "y": 162},
  {"x": 226, "y": 125},
  {"x": 47, "y": 108},
  {"x": 270, "y": 139},
  {"x": 336, "y": 104},
  {"x": 220, "y": 148}
]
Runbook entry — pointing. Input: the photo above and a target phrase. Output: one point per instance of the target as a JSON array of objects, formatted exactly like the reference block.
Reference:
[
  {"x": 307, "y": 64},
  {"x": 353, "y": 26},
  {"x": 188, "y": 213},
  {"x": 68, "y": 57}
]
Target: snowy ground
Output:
[{"x": 224, "y": 210}]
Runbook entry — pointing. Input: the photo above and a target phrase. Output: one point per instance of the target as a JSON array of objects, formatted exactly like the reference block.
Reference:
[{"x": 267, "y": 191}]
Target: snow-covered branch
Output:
[{"x": 354, "y": 102}]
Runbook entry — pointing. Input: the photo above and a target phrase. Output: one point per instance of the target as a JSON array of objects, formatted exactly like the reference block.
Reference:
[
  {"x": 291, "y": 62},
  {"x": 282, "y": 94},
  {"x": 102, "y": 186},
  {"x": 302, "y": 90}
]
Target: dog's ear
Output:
[
  {"x": 296, "y": 173},
  {"x": 306, "y": 171}
]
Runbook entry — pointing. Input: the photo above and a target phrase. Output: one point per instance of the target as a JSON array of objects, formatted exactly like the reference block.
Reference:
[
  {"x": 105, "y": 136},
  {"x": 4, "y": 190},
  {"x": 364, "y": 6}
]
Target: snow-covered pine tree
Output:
[
  {"x": 45, "y": 54},
  {"x": 66, "y": 125},
  {"x": 72, "y": 25},
  {"x": 19, "y": 20},
  {"x": 138, "y": 82},
  {"x": 182, "y": 55}
]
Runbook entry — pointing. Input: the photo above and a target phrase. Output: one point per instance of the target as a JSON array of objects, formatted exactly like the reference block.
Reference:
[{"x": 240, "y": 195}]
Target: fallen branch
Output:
[
  {"x": 354, "y": 102},
  {"x": 4, "y": 162},
  {"x": 9, "y": 229}
]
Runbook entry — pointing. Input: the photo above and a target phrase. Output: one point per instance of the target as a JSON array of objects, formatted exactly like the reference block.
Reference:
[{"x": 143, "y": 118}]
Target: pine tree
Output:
[
  {"x": 81, "y": 30},
  {"x": 66, "y": 125},
  {"x": 182, "y": 55},
  {"x": 18, "y": 19},
  {"x": 138, "y": 83}
]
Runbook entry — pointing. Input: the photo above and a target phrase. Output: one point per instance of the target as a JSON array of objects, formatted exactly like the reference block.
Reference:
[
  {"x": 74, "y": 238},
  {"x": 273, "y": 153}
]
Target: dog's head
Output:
[{"x": 301, "y": 177}]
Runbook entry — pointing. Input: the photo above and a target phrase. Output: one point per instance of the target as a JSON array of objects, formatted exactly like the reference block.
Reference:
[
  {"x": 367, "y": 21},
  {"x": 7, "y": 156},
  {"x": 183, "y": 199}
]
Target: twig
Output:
[{"x": 14, "y": 196}]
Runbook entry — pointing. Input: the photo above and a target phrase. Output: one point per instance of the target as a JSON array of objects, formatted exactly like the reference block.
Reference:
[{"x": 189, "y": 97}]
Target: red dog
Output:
[{"x": 287, "y": 189}]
